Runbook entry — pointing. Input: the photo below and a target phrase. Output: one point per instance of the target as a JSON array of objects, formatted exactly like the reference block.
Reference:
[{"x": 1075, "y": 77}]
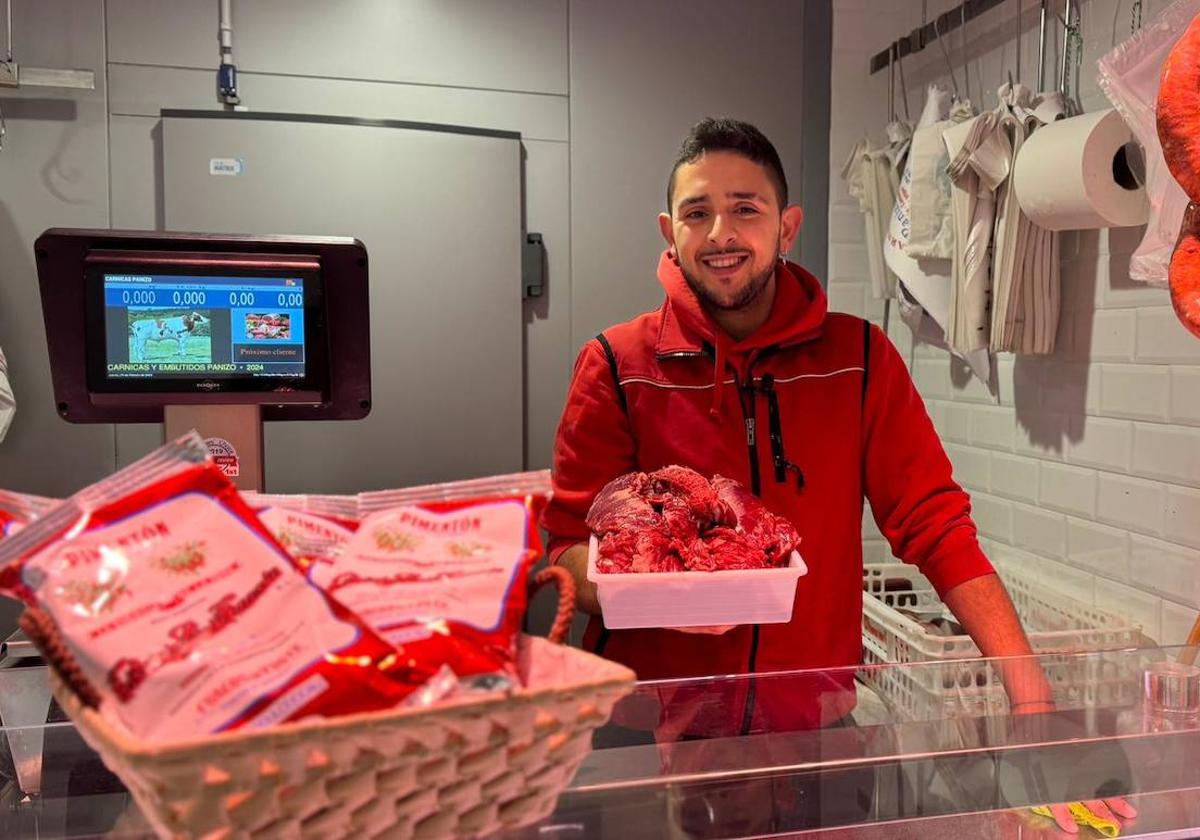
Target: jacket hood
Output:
[{"x": 797, "y": 314}]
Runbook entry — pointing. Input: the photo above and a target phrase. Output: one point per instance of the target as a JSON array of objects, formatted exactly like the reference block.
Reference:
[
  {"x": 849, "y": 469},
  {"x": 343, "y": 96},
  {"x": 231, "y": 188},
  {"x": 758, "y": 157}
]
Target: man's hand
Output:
[
  {"x": 575, "y": 560},
  {"x": 710, "y": 629},
  {"x": 1099, "y": 814}
]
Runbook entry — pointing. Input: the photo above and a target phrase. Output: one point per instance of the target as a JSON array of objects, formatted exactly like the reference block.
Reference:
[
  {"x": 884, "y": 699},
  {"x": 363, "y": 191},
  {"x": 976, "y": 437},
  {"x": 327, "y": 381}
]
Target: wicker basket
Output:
[{"x": 460, "y": 769}]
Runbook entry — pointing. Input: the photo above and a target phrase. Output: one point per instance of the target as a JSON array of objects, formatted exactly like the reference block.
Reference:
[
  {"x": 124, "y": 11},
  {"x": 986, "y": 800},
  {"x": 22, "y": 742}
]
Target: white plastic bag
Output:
[
  {"x": 1129, "y": 77},
  {"x": 8, "y": 405},
  {"x": 927, "y": 280},
  {"x": 932, "y": 234}
]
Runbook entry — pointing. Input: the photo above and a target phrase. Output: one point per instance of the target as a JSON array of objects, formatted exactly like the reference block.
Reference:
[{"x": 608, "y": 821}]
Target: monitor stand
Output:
[{"x": 234, "y": 434}]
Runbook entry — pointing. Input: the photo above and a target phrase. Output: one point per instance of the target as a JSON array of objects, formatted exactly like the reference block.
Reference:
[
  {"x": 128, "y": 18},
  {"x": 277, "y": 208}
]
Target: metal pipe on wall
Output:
[{"x": 227, "y": 90}]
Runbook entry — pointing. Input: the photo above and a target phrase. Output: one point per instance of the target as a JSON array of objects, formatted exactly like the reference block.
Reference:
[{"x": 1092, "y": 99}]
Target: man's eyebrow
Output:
[{"x": 740, "y": 196}]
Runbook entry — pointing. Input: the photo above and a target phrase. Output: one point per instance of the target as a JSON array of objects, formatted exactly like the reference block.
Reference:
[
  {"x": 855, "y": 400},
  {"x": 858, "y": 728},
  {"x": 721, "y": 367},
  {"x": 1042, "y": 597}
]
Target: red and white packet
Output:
[
  {"x": 188, "y": 618},
  {"x": 19, "y": 509},
  {"x": 458, "y": 553},
  {"x": 313, "y": 528}
]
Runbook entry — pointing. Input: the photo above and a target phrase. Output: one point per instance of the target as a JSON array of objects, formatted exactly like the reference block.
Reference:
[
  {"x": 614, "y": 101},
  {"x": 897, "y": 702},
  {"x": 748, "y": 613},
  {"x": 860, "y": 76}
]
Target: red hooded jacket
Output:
[{"x": 671, "y": 387}]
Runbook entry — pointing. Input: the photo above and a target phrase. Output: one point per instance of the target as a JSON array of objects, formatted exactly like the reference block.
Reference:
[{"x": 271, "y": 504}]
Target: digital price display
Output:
[{"x": 171, "y": 326}]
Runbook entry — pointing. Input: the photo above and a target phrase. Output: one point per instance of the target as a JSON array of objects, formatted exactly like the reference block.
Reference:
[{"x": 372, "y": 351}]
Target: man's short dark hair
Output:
[{"x": 726, "y": 135}]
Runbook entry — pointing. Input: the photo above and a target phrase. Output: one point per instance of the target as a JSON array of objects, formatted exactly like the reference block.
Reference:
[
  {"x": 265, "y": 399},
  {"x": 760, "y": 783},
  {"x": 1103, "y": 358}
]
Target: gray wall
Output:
[
  {"x": 641, "y": 75},
  {"x": 601, "y": 93},
  {"x": 53, "y": 172}
]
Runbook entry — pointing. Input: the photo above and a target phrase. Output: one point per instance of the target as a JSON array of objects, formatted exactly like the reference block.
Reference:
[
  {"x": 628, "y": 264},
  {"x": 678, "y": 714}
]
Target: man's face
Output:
[{"x": 727, "y": 228}]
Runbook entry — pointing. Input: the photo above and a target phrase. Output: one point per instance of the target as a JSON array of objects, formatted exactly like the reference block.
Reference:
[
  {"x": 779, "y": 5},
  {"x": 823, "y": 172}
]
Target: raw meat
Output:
[
  {"x": 773, "y": 534},
  {"x": 638, "y": 550},
  {"x": 1178, "y": 111},
  {"x": 1179, "y": 133},
  {"x": 726, "y": 548},
  {"x": 674, "y": 520},
  {"x": 1185, "y": 271},
  {"x": 623, "y": 503},
  {"x": 692, "y": 488}
]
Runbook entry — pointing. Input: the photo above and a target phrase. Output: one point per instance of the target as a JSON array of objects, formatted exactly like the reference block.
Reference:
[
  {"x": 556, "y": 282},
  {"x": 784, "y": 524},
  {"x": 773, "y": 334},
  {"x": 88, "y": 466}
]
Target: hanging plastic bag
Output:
[
  {"x": 1129, "y": 77},
  {"x": 927, "y": 280},
  {"x": 8, "y": 404},
  {"x": 872, "y": 176},
  {"x": 930, "y": 206}
]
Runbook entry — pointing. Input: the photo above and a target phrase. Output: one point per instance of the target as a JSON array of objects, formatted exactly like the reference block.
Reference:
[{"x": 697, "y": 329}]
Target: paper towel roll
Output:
[{"x": 1081, "y": 173}]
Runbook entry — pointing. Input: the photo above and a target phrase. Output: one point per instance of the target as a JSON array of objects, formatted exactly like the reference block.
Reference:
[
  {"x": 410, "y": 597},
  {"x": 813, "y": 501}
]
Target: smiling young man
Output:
[{"x": 744, "y": 373}]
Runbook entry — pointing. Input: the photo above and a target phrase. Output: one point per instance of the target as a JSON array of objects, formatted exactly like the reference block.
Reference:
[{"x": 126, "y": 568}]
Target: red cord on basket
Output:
[{"x": 566, "y": 600}]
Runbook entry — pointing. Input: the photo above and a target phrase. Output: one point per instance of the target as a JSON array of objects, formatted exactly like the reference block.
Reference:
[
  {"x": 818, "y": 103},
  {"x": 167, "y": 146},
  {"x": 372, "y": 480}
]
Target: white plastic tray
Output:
[{"x": 694, "y": 599}]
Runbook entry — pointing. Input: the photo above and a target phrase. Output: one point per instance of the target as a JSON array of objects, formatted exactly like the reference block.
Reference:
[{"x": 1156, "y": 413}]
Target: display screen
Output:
[{"x": 178, "y": 327}]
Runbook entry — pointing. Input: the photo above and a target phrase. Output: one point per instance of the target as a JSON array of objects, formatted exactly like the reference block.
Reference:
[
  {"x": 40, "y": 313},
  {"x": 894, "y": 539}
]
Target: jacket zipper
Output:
[
  {"x": 748, "y": 411},
  {"x": 746, "y": 397}
]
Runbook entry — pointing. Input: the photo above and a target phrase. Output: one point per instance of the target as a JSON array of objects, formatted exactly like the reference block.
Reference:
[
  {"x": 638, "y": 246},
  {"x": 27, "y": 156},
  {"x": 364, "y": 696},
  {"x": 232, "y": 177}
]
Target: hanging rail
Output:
[{"x": 923, "y": 36}]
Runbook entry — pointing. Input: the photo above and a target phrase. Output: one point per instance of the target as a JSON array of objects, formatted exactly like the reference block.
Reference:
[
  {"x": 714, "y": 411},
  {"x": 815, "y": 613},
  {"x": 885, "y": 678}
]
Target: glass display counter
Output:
[{"x": 740, "y": 757}]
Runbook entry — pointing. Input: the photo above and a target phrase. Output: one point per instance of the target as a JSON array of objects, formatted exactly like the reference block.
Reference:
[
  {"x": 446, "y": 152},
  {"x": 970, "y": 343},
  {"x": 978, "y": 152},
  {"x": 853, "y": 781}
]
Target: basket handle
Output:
[
  {"x": 44, "y": 632},
  {"x": 566, "y": 599}
]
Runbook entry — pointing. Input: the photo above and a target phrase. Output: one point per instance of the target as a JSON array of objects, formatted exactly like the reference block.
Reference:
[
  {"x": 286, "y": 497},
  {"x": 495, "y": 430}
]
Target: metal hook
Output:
[
  {"x": 962, "y": 22},
  {"x": 1066, "y": 22},
  {"x": 892, "y": 83},
  {"x": 1018, "y": 40},
  {"x": 1042, "y": 49},
  {"x": 903, "y": 86},
  {"x": 946, "y": 54}
]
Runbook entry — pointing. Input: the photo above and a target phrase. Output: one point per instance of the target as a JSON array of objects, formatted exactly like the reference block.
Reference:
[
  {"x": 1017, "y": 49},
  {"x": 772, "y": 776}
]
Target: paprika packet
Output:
[
  {"x": 312, "y": 528},
  {"x": 19, "y": 509},
  {"x": 187, "y": 617},
  {"x": 459, "y": 553}
]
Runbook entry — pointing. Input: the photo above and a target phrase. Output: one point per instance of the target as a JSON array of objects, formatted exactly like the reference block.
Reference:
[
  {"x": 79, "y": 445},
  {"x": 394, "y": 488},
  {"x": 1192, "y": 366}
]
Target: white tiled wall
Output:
[{"x": 1084, "y": 469}]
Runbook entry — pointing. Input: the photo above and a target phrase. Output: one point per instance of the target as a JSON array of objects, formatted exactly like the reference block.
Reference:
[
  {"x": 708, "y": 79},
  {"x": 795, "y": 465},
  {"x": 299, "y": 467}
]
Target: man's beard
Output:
[{"x": 748, "y": 295}]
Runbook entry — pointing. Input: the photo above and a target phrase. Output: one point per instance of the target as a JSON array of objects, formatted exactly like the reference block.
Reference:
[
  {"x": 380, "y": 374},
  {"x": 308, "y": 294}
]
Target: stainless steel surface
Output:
[
  {"x": 1170, "y": 815},
  {"x": 24, "y": 703},
  {"x": 440, "y": 215},
  {"x": 1173, "y": 687},
  {"x": 16, "y": 648}
]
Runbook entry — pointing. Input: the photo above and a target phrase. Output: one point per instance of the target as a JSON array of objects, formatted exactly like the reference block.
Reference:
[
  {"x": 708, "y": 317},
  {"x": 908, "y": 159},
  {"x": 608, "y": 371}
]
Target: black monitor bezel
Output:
[{"x": 63, "y": 253}]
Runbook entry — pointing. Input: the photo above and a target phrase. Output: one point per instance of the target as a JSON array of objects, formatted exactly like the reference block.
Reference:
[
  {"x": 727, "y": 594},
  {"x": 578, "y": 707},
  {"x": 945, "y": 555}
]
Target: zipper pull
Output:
[{"x": 750, "y": 439}]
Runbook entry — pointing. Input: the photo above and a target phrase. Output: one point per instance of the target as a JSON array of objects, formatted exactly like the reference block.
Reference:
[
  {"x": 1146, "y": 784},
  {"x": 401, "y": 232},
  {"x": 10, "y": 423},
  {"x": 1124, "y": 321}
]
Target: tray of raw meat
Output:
[{"x": 671, "y": 548}]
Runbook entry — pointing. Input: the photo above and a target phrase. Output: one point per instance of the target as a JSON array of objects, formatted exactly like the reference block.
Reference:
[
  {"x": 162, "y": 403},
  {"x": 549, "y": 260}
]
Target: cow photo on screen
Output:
[{"x": 169, "y": 336}]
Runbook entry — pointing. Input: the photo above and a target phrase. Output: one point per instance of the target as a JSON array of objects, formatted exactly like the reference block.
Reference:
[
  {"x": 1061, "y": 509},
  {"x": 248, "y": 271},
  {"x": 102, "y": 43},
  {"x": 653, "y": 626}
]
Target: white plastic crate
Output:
[
  {"x": 957, "y": 682},
  {"x": 693, "y": 599}
]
